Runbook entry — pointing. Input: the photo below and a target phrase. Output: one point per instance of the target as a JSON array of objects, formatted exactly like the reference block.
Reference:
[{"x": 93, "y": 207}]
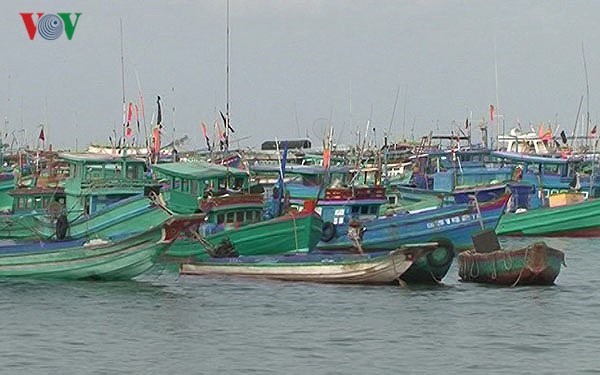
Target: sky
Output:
[{"x": 403, "y": 68}]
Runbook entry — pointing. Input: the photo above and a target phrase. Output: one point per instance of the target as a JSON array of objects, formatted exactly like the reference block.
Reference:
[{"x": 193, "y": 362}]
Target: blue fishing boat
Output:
[
  {"x": 551, "y": 175},
  {"x": 455, "y": 223}
]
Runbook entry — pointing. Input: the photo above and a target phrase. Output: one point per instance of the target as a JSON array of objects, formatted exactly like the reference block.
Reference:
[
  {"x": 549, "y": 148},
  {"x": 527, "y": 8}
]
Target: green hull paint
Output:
[
  {"x": 17, "y": 227},
  {"x": 135, "y": 214},
  {"x": 6, "y": 200},
  {"x": 431, "y": 268},
  {"x": 276, "y": 236},
  {"x": 121, "y": 260},
  {"x": 535, "y": 264},
  {"x": 581, "y": 219}
]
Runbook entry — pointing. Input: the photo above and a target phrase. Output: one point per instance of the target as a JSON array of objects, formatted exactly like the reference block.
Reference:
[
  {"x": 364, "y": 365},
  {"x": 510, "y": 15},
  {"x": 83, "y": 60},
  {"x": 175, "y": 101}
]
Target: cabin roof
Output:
[
  {"x": 86, "y": 157},
  {"x": 299, "y": 169},
  {"x": 197, "y": 170},
  {"x": 527, "y": 158}
]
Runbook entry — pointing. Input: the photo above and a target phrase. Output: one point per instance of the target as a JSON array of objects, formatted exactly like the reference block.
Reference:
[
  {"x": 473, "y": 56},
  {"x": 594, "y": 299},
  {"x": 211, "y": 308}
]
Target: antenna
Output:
[
  {"x": 123, "y": 78},
  {"x": 394, "y": 110},
  {"x": 587, "y": 92},
  {"x": 227, "y": 78}
]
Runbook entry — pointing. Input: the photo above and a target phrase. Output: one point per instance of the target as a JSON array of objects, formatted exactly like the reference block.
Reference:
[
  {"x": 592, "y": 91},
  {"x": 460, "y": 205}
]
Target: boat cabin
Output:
[
  {"x": 46, "y": 200},
  {"x": 191, "y": 181},
  {"x": 96, "y": 181},
  {"x": 552, "y": 175}
]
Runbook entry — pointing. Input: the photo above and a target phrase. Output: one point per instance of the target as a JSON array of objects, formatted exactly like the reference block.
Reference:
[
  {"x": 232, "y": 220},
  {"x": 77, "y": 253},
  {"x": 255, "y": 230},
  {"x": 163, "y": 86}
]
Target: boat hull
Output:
[
  {"x": 377, "y": 268},
  {"x": 116, "y": 259},
  {"x": 536, "y": 264},
  {"x": 454, "y": 223},
  {"x": 576, "y": 220},
  {"x": 133, "y": 214},
  {"x": 296, "y": 232}
]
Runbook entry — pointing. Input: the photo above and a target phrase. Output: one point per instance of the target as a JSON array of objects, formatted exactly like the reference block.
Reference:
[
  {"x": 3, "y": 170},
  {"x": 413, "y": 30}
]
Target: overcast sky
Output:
[{"x": 297, "y": 65}]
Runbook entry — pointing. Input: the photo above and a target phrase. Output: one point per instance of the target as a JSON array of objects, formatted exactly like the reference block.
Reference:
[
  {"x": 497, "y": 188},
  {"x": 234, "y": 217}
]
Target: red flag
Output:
[
  {"x": 128, "y": 132},
  {"x": 204, "y": 130},
  {"x": 42, "y": 137},
  {"x": 326, "y": 157},
  {"x": 491, "y": 113},
  {"x": 156, "y": 136},
  {"x": 594, "y": 132},
  {"x": 129, "y": 113}
]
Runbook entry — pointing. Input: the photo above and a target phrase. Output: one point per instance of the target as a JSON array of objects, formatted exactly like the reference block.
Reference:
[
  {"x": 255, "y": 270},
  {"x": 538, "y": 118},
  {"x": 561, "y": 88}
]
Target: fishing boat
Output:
[
  {"x": 236, "y": 215},
  {"x": 455, "y": 223},
  {"x": 103, "y": 195},
  {"x": 342, "y": 268},
  {"x": 568, "y": 215},
  {"x": 535, "y": 264},
  {"x": 113, "y": 258},
  {"x": 552, "y": 175}
]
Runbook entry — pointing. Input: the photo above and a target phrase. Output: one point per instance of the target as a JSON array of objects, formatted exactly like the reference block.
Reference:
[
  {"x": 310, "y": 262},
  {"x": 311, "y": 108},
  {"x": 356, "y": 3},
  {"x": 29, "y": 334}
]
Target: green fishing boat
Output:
[
  {"x": 7, "y": 183},
  {"x": 536, "y": 264},
  {"x": 112, "y": 258},
  {"x": 581, "y": 219},
  {"x": 27, "y": 202},
  {"x": 103, "y": 195},
  {"x": 238, "y": 219}
]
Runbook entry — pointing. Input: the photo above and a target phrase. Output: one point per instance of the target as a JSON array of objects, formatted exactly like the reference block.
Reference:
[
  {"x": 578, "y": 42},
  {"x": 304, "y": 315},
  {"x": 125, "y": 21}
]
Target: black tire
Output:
[
  {"x": 449, "y": 247},
  {"x": 62, "y": 226},
  {"x": 328, "y": 231}
]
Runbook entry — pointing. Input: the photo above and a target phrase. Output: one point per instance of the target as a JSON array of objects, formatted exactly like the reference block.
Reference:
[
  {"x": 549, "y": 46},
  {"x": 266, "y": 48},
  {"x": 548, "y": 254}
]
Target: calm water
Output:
[{"x": 163, "y": 324}]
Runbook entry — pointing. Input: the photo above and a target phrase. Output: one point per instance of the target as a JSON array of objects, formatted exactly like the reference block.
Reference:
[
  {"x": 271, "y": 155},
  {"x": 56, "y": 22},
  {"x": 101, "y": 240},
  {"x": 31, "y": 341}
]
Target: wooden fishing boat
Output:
[
  {"x": 535, "y": 264},
  {"x": 235, "y": 215},
  {"x": 580, "y": 219},
  {"x": 342, "y": 268},
  {"x": 456, "y": 223},
  {"x": 115, "y": 258},
  {"x": 103, "y": 195}
]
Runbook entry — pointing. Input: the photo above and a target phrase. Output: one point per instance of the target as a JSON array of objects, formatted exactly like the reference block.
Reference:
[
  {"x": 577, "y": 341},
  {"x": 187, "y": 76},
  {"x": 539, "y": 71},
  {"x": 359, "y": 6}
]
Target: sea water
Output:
[{"x": 164, "y": 324}]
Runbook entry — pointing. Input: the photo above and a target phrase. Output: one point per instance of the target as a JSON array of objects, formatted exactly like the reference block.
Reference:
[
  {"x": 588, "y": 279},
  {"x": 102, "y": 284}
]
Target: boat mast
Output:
[
  {"x": 497, "y": 100},
  {"x": 587, "y": 93},
  {"x": 123, "y": 82},
  {"x": 227, "y": 84}
]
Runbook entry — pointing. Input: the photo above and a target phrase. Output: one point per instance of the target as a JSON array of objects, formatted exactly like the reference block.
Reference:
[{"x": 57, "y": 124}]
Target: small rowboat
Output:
[
  {"x": 344, "y": 268},
  {"x": 536, "y": 264}
]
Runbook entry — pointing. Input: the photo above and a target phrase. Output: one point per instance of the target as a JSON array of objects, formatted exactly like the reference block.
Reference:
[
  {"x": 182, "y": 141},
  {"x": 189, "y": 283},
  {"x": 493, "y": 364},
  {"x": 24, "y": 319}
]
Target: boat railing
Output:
[
  {"x": 113, "y": 183},
  {"x": 345, "y": 193}
]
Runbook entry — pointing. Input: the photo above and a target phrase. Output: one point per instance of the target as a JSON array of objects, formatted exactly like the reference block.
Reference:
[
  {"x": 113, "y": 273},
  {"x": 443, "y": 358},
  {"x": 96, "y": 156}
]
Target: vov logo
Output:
[{"x": 50, "y": 26}]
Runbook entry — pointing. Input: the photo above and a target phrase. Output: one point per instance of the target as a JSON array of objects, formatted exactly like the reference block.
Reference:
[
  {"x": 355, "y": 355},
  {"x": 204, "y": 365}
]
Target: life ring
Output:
[
  {"x": 446, "y": 245},
  {"x": 328, "y": 231},
  {"x": 62, "y": 226}
]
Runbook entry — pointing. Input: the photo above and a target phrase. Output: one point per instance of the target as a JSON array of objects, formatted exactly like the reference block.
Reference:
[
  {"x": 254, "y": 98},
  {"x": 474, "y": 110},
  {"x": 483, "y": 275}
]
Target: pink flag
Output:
[{"x": 491, "y": 113}]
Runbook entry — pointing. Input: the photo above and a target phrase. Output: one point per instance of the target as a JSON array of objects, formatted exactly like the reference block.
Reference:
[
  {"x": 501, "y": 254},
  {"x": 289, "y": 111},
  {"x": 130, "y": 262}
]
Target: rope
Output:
[
  {"x": 494, "y": 273},
  {"x": 522, "y": 268},
  {"x": 156, "y": 199},
  {"x": 208, "y": 247},
  {"x": 509, "y": 257},
  {"x": 295, "y": 230},
  {"x": 472, "y": 274}
]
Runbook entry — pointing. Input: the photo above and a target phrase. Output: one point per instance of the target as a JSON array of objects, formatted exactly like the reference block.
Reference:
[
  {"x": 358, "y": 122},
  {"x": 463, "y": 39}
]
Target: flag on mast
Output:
[
  {"x": 159, "y": 115},
  {"x": 491, "y": 113},
  {"x": 205, "y": 133}
]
